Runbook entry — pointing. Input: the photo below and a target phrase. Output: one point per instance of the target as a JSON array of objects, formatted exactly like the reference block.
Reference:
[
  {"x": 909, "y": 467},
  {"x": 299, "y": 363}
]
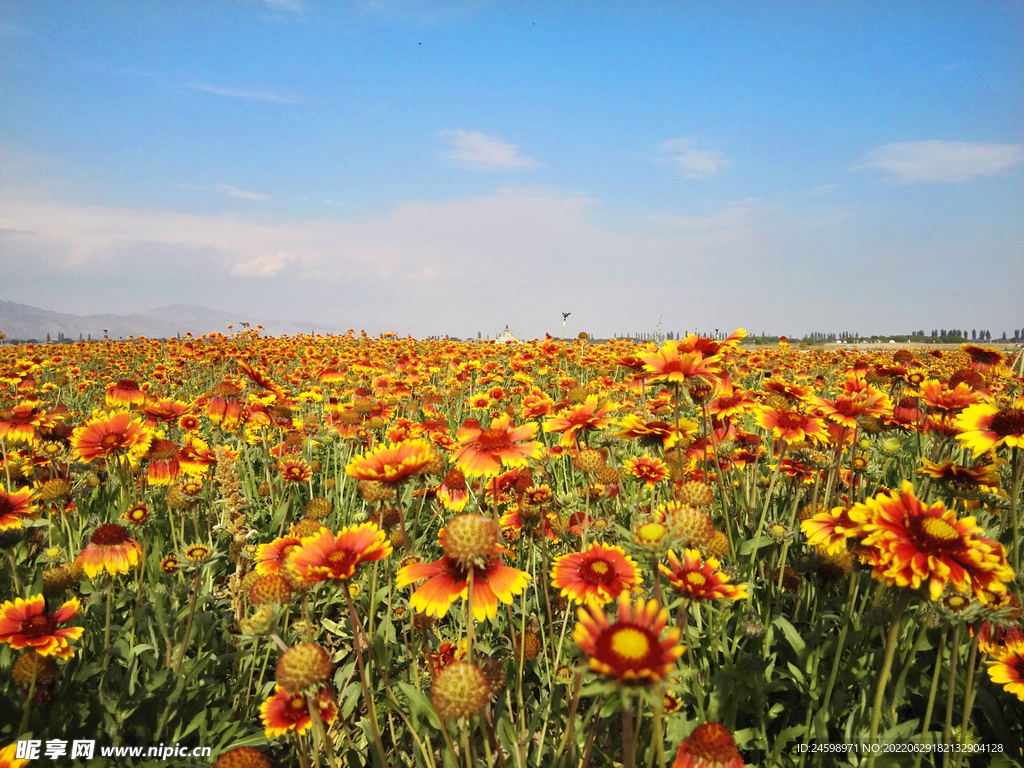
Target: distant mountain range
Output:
[{"x": 22, "y": 322}]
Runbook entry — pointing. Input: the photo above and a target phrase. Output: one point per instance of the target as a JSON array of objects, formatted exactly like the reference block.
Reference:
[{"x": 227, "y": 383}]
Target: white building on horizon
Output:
[{"x": 506, "y": 337}]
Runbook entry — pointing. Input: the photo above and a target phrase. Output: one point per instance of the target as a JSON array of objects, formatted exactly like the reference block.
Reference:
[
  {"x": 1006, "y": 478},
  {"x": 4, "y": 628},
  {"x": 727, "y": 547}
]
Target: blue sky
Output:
[{"x": 458, "y": 166}]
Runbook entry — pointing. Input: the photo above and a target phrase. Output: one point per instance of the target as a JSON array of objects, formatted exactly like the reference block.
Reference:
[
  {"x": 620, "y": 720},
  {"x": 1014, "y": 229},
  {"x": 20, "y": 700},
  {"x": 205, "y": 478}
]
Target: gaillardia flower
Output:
[
  {"x": 447, "y": 579},
  {"x": 711, "y": 745},
  {"x": 484, "y": 451},
  {"x": 391, "y": 463},
  {"x": 630, "y": 649},
  {"x": 984, "y": 427},
  {"x": 910, "y": 545},
  {"x": 111, "y": 434},
  {"x": 1008, "y": 671},
  {"x": 586, "y": 417},
  {"x": 700, "y": 580},
  {"x": 284, "y": 712},
  {"x": 25, "y": 624},
  {"x": 326, "y": 556},
  {"x": 596, "y": 575},
  {"x": 16, "y": 507},
  {"x": 110, "y": 549}
]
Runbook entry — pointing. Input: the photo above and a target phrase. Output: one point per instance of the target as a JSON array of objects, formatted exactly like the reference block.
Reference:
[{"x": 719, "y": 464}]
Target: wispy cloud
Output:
[
  {"x": 242, "y": 93},
  {"x": 478, "y": 151},
  {"x": 192, "y": 187},
  {"x": 939, "y": 162},
  {"x": 694, "y": 163},
  {"x": 824, "y": 189},
  {"x": 295, "y": 6},
  {"x": 227, "y": 189}
]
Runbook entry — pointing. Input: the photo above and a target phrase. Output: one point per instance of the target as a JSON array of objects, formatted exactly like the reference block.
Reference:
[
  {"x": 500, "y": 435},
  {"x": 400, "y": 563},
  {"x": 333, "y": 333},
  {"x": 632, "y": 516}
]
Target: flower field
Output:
[{"x": 354, "y": 551}]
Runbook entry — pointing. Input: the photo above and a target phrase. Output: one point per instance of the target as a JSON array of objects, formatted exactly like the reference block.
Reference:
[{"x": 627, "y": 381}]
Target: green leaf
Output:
[
  {"x": 419, "y": 705},
  {"x": 796, "y": 642}
]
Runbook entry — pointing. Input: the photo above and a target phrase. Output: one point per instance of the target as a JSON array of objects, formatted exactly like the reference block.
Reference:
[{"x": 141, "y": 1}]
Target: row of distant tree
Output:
[{"x": 937, "y": 336}]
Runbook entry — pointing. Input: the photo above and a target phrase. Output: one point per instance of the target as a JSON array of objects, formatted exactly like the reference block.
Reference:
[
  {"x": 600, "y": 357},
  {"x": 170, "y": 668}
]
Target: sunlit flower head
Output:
[
  {"x": 586, "y": 417},
  {"x": 631, "y": 648},
  {"x": 911, "y": 545},
  {"x": 125, "y": 393},
  {"x": 792, "y": 426},
  {"x": 700, "y": 579},
  {"x": 111, "y": 434},
  {"x": 25, "y": 624},
  {"x": 328, "y": 556},
  {"x": 16, "y": 508},
  {"x": 485, "y": 451},
  {"x": 284, "y": 712},
  {"x": 598, "y": 574},
  {"x": 669, "y": 365},
  {"x": 1008, "y": 671},
  {"x": 447, "y": 580},
  {"x": 984, "y": 427},
  {"x": 650, "y": 469},
  {"x": 110, "y": 549},
  {"x": 392, "y": 463}
]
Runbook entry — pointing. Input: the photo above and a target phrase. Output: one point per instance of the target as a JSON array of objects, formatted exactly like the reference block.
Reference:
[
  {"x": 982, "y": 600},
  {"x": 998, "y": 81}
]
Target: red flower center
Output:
[
  {"x": 790, "y": 420},
  {"x": 934, "y": 535},
  {"x": 6, "y": 507},
  {"x": 38, "y": 626},
  {"x": 493, "y": 440},
  {"x": 109, "y": 535},
  {"x": 341, "y": 560},
  {"x": 111, "y": 440},
  {"x": 127, "y": 384},
  {"x": 1008, "y": 422},
  {"x": 597, "y": 572}
]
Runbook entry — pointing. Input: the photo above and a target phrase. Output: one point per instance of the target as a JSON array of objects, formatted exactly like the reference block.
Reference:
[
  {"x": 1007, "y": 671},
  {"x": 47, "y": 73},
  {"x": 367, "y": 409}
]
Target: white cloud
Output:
[
  {"x": 478, "y": 151},
  {"x": 242, "y": 93},
  {"x": 295, "y": 6},
  {"x": 227, "y": 189},
  {"x": 824, "y": 189},
  {"x": 192, "y": 187},
  {"x": 694, "y": 163},
  {"x": 914, "y": 162}
]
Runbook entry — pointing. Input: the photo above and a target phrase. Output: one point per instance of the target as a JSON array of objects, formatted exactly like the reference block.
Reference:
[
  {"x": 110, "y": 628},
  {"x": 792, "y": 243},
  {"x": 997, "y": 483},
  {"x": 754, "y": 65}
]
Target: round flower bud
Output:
[
  {"x": 460, "y": 690},
  {"x": 301, "y": 666},
  {"x": 469, "y": 538}
]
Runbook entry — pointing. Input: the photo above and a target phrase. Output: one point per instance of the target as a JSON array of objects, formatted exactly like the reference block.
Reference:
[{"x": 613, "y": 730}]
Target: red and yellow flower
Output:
[
  {"x": 284, "y": 712},
  {"x": 668, "y": 364},
  {"x": 598, "y": 574},
  {"x": 25, "y": 624},
  {"x": 110, "y": 549},
  {"x": 649, "y": 469},
  {"x": 910, "y": 545},
  {"x": 792, "y": 426},
  {"x": 327, "y": 556},
  {"x": 111, "y": 434},
  {"x": 392, "y": 463},
  {"x": 586, "y": 417},
  {"x": 16, "y": 507},
  {"x": 700, "y": 580},
  {"x": 631, "y": 648},
  {"x": 711, "y": 745},
  {"x": 984, "y": 427},
  {"x": 1008, "y": 671},
  {"x": 470, "y": 548},
  {"x": 484, "y": 451}
]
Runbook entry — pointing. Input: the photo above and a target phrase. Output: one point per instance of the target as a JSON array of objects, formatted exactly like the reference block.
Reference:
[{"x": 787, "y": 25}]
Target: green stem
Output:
[
  {"x": 851, "y": 599},
  {"x": 902, "y": 600},
  {"x": 357, "y": 629},
  {"x": 954, "y": 655}
]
